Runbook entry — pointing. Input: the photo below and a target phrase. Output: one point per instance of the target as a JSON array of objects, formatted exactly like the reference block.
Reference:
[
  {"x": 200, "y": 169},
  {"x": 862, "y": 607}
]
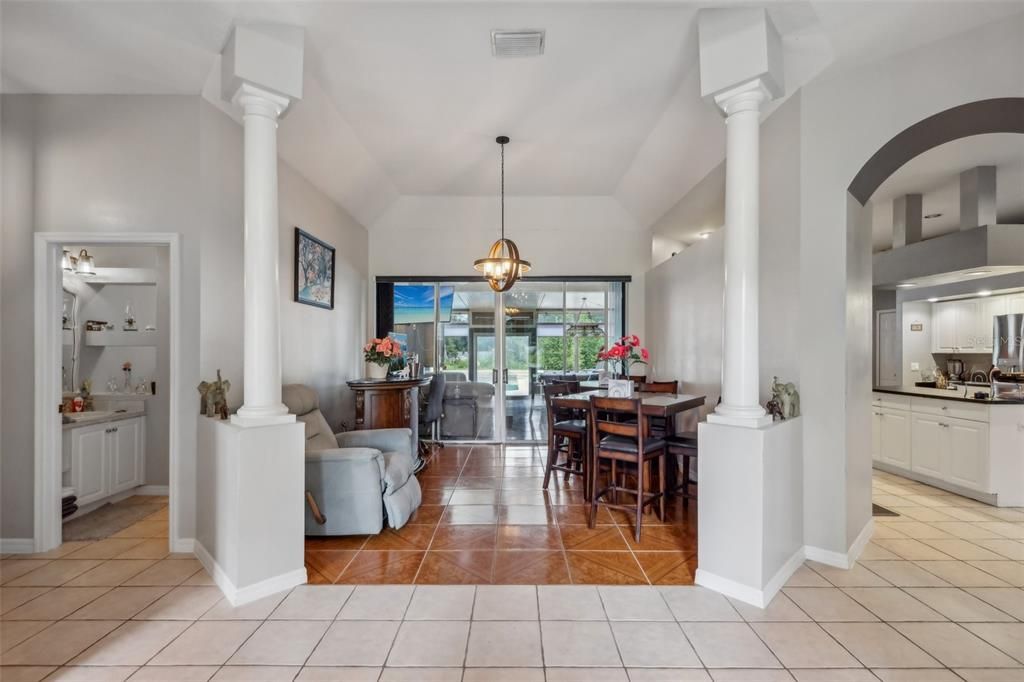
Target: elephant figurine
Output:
[
  {"x": 213, "y": 397},
  {"x": 786, "y": 398}
]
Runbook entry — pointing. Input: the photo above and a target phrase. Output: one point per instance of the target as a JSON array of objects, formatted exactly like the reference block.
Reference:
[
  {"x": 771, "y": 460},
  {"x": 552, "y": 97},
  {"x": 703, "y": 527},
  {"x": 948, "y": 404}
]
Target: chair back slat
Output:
[
  {"x": 556, "y": 414},
  {"x": 660, "y": 387},
  {"x": 606, "y": 417}
]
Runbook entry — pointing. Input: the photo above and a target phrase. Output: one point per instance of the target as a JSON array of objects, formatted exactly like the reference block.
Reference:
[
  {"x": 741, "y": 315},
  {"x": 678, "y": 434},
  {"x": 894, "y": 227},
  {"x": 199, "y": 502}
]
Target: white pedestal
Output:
[
  {"x": 750, "y": 508},
  {"x": 249, "y": 513}
]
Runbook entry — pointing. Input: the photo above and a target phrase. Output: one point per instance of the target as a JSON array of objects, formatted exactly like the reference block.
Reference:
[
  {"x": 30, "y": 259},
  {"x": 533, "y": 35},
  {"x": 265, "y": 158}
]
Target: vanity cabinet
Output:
[{"x": 107, "y": 458}]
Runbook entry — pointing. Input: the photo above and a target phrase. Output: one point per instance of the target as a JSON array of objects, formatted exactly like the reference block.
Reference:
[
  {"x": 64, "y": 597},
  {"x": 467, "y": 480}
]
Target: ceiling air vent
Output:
[{"x": 520, "y": 43}]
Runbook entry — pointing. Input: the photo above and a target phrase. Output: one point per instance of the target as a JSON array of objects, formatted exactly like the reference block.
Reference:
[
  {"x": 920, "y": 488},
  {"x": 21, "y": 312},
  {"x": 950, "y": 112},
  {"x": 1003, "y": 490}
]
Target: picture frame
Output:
[{"x": 313, "y": 271}]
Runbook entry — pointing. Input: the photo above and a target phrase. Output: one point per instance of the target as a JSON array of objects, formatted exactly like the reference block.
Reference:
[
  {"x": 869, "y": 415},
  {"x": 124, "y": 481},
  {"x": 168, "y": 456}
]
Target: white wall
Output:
[
  {"x": 847, "y": 117},
  {"x": 558, "y": 235},
  {"x": 157, "y": 164},
  {"x": 917, "y": 346}
]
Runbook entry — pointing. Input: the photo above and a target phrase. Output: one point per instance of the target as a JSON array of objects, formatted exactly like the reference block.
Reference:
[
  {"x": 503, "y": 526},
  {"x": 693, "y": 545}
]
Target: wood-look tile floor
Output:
[{"x": 486, "y": 519}]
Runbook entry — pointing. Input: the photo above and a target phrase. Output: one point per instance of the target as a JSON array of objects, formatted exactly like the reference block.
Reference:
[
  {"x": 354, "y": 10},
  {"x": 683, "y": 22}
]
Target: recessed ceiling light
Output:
[
  {"x": 704, "y": 235},
  {"x": 984, "y": 292},
  {"x": 976, "y": 273},
  {"x": 933, "y": 215},
  {"x": 905, "y": 285},
  {"x": 932, "y": 299}
]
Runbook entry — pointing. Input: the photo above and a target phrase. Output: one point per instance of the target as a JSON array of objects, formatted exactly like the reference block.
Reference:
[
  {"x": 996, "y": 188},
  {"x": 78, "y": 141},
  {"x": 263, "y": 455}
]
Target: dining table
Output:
[{"x": 665, "y": 405}]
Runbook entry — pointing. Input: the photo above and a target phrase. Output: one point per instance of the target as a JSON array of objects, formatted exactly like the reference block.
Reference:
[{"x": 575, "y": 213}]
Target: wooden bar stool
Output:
[
  {"x": 683, "y": 446},
  {"x": 619, "y": 441},
  {"x": 566, "y": 434},
  {"x": 661, "y": 426}
]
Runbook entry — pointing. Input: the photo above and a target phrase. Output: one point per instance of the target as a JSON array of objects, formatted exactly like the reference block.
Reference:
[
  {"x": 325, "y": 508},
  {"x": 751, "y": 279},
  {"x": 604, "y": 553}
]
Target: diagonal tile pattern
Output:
[{"x": 955, "y": 615}]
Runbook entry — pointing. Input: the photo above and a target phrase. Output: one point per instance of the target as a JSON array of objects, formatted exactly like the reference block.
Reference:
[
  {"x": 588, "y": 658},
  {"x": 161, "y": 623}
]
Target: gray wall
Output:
[{"x": 159, "y": 164}]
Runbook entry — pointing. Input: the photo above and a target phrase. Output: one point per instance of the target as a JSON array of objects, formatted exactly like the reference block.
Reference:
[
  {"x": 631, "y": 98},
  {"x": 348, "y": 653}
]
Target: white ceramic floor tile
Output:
[
  {"x": 667, "y": 675},
  {"x": 804, "y": 645},
  {"x": 280, "y": 643},
  {"x": 878, "y": 645},
  {"x": 430, "y": 644},
  {"x": 1008, "y": 599},
  {"x": 504, "y": 644},
  {"x": 206, "y": 643},
  {"x": 312, "y": 602},
  {"x": 692, "y": 603},
  {"x": 338, "y": 674},
  {"x": 654, "y": 644},
  {"x": 120, "y": 603},
  {"x": 729, "y": 645},
  {"x": 1007, "y": 637},
  {"x": 92, "y": 674},
  {"x": 503, "y": 675},
  {"x": 134, "y": 643},
  {"x": 957, "y": 605},
  {"x": 355, "y": 643},
  {"x": 255, "y": 610},
  {"x": 905, "y": 574},
  {"x": 893, "y": 604},
  {"x": 634, "y": 603},
  {"x": 833, "y": 675},
  {"x": 858, "y": 576},
  {"x": 505, "y": 602},
  {"x": 955, "y": 646},
  {"x": 421, "y": 675},
  {"x": 961, "y": 574},
  {"x": 570, "y": 602},
  {"x": 579, "y": 645},
  {"x": 185, "y": 673},
  {"x": 59, "y": 643},
  {"x": 182, "y": 603},
  {"x": 56, "y": 604},
  {"x": 377, "y": 602},
  {"x": 828, "y": 604},
  {"x": 256, "y": 673}
]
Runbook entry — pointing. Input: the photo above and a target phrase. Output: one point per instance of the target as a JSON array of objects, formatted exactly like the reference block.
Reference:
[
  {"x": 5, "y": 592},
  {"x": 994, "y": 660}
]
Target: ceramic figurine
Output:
[
  {"x": 213, "y": 397},
  {"x": 774, "y": 409},
  {"x": 787, "y": 397}
]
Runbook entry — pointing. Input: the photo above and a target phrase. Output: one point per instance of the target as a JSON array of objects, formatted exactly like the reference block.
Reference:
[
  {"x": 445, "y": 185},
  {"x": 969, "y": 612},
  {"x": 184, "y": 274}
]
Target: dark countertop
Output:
[{"x": 939, "y": 395}]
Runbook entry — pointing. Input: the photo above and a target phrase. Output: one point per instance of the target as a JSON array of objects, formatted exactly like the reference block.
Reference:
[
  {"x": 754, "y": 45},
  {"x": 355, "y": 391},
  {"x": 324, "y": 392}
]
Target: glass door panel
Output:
[
  {"x": 534, "y": 349},
  {"x": 467, "y": 344}
]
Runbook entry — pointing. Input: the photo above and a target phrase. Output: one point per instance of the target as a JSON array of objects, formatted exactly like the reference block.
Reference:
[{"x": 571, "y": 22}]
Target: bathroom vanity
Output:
[{"x": 104, "y": 454}]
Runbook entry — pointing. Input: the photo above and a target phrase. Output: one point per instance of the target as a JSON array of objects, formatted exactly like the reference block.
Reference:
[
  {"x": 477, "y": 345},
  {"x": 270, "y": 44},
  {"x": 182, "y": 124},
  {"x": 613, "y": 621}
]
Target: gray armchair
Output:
[
  {"x": 357, "y": 477},
  {"x": 468, "y": 408}
]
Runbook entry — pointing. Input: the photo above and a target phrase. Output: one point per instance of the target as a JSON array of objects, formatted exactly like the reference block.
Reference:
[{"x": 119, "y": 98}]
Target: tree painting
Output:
[{"x": 314, "y": 271}]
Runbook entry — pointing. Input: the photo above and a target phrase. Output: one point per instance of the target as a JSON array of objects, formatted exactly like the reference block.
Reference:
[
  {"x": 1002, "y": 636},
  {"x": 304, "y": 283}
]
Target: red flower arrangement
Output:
[
  {"x": 626, "y": 351},
  {"x": 381, "y": 351}
]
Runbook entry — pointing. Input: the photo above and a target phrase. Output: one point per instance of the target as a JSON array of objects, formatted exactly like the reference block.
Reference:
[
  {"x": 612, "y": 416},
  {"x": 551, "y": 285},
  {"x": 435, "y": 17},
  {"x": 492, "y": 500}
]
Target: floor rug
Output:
[
  {"x": 109, "y": 519},
  {"x": 879, "y": 510}
]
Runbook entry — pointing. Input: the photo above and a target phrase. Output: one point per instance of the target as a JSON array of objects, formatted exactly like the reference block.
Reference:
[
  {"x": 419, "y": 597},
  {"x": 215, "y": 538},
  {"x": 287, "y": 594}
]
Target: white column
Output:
[
  {"x": 740, "y": 404},
  {"x": 262, "y": 342}
]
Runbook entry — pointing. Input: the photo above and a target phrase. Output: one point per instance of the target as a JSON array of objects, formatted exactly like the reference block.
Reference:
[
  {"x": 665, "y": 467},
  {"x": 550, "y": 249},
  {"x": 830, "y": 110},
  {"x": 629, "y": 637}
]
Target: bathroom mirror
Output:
[{"x": 69, "y": 347}]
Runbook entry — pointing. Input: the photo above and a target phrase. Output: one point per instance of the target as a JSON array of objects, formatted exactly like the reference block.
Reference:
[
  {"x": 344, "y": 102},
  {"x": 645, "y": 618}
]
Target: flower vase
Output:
[{"x": 375, "y": 371}]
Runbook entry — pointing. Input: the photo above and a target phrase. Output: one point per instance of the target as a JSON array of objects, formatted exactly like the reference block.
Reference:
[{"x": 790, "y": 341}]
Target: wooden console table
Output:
[{"x": 388, "y": 403}]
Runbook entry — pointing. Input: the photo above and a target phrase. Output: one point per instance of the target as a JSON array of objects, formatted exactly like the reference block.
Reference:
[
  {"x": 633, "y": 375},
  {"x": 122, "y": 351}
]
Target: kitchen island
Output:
[{"x": 970, "y": 446}]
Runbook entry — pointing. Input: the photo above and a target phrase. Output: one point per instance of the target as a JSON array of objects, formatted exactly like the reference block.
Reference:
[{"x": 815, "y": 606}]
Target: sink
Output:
[{"x": 88, "y": 416}]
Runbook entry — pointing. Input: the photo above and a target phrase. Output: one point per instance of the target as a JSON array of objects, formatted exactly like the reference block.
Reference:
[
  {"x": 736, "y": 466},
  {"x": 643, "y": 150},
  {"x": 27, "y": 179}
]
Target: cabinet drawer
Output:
[
  {"x": 891, "y": 400},
  {"x": 951, "y": 408}
]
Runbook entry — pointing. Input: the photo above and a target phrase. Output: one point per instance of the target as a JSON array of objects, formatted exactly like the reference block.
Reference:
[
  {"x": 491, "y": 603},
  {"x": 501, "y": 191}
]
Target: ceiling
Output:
[
  {"x": 935, "y": 175},
  {"x": 405, "y": 98}
]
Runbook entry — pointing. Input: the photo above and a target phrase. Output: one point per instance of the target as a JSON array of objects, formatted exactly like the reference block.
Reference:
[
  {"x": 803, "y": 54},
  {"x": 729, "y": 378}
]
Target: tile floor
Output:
[
  {"x": 486, "y": 519},
  {"x": 937, "y": 596}
]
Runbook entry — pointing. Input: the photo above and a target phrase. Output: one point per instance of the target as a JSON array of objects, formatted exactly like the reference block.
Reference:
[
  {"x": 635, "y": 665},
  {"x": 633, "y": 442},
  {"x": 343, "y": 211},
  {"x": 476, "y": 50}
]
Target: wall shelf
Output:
[{"x": 118, "y": 337}]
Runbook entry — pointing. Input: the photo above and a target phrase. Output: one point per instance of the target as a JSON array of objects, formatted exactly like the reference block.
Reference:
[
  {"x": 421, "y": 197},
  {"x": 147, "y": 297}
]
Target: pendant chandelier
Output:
[
  {"x": 503, "y": 266},
  {"x": 585, "y": 328}
]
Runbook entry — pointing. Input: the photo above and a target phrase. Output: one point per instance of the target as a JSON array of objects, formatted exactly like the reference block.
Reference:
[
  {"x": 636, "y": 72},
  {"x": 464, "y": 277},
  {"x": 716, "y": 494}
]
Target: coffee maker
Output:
[{"x": 954, "y": 369}]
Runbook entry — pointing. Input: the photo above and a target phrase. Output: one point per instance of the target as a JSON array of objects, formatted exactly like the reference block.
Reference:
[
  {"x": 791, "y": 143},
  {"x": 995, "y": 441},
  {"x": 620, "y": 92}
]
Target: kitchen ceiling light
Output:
[
  {"x": 86, "y": 265},
  {"x": 984, "y": 292},
  {"x": 976, "y": 273},
  {"x": 932, "y": 299},
  {"x": 905, "y": 285},
  {"x": 503, "y": 266},
  {"x": 704, "y": 235}
]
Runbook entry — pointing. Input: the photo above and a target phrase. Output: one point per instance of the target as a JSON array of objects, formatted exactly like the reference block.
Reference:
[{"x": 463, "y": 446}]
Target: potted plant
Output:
[
  {"x": 379, "y": 354},
  {"x": 623, "y": 353}
]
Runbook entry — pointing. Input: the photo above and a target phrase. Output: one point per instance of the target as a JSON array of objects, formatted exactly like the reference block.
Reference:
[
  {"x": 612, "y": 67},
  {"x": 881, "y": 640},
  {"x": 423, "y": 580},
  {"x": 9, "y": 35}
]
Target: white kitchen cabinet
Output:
[
  {"x": 967, "y": 444},
  {"x": 89, "y": 473},
  {"x": 894, "y": 434},
  {"x": 107, "y": 458},
  {"x": 930, "y": 445},
  {"x": 876, "y": 436},
  {"x": 987, "y": 309},
  {"x": 944, "y": 323},
  {"x": 1015, "y": 304},
  {"x": 126, "y": 451}
]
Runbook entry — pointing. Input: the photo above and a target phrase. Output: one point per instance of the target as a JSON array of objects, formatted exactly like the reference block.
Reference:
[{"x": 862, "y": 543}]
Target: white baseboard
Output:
[
  {"x": 184, "y": 546},
  {"x": 239, "y": 596},
  {"x": 17, "y": 545},
  {"x": 839, "y": 559},
  {"x": 750, "y": 595},
  {"x": 153, "y": 490}
]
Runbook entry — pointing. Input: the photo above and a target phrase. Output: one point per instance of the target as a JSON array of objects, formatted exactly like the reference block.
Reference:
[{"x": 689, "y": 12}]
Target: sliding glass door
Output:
[{"x": 498, "y": 351}]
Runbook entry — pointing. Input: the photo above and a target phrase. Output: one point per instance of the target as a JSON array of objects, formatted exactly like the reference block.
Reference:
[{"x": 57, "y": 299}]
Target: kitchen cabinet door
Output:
[
  {"x": 988, "y": 308},
  {"x": 876, "y": 436},
  {"x": 944, "y": 327},
  {"x": 89, "y": 471},
  {"x": 1015, "y": 304},
  {"x": 930, "y": 445},
  {"x": 968, "y": 453},
  {"x": 894, "y": 433},
  {"x": 966, "y": 334},
  {"x": 125, "y": 454}
]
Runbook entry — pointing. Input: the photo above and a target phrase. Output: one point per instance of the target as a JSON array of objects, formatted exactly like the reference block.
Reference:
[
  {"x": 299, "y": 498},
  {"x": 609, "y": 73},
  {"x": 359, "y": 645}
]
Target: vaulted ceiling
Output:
[{"x": 406, "y": 99}]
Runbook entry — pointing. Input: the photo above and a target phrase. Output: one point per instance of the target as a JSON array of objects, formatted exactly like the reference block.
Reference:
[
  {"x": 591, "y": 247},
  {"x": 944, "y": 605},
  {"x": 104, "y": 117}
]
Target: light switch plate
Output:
[{"x": 915, "y": 367}]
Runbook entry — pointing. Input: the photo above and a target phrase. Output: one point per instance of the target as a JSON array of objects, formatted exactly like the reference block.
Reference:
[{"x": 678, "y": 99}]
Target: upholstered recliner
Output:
[
  {"x": 468, "y": 408},
  {"x": 357, "y": 477}
]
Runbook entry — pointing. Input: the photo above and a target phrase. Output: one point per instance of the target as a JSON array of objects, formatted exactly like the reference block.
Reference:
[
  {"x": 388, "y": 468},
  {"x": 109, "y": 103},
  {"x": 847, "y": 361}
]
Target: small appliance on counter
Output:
[
  {"x": 1008, "y": 346},
  {"x": 954, "y": 369}
]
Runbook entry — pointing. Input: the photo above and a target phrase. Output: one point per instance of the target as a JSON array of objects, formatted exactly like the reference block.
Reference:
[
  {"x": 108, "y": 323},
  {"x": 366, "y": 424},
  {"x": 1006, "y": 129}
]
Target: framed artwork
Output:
[{"x": 314, "y": 271}]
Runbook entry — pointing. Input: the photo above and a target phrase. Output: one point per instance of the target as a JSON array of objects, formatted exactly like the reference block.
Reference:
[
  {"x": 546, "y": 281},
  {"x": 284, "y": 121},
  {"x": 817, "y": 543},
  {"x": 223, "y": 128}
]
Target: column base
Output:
[
  {"x": 753, "y": 417},
  {"x": 262, "y": 416}
]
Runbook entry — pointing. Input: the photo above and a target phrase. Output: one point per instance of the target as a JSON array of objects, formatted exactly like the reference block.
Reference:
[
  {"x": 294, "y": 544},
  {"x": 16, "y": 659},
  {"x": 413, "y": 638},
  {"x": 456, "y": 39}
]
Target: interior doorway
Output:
[
  {"x": 114, "y": 347},
  {"x": 887, "y": 345}
]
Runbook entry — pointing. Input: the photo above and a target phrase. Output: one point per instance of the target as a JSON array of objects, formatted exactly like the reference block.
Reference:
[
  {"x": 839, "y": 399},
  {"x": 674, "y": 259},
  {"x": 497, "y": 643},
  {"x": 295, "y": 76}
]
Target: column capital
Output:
[
  {"x": 748, "y": 96},
  {"x": 254, "y": 100}
]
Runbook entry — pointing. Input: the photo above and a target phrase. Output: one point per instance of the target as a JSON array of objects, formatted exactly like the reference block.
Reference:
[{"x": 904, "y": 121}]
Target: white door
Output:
[
  {"x": 930, "y": 439},
  {"x": 89, "y": 474},
  {"x": 944, "y": 327},
  {"x": 125, "y": 454},
  {"x": 876, "y": 435},
  {"x": 887, "y": 373},
  {"x": 966, "y": 325},
  {"x": 968, "y": 453},
  {"x": 894, "y": 432}
]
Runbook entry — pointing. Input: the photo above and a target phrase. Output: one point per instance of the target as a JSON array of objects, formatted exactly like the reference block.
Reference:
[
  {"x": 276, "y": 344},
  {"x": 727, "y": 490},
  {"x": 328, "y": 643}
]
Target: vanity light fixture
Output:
[{"x": 86, "y": 265}]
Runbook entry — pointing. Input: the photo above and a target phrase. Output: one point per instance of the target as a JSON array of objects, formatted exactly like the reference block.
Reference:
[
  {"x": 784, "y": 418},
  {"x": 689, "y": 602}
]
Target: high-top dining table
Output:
[{"x": 653, "y": 405}]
